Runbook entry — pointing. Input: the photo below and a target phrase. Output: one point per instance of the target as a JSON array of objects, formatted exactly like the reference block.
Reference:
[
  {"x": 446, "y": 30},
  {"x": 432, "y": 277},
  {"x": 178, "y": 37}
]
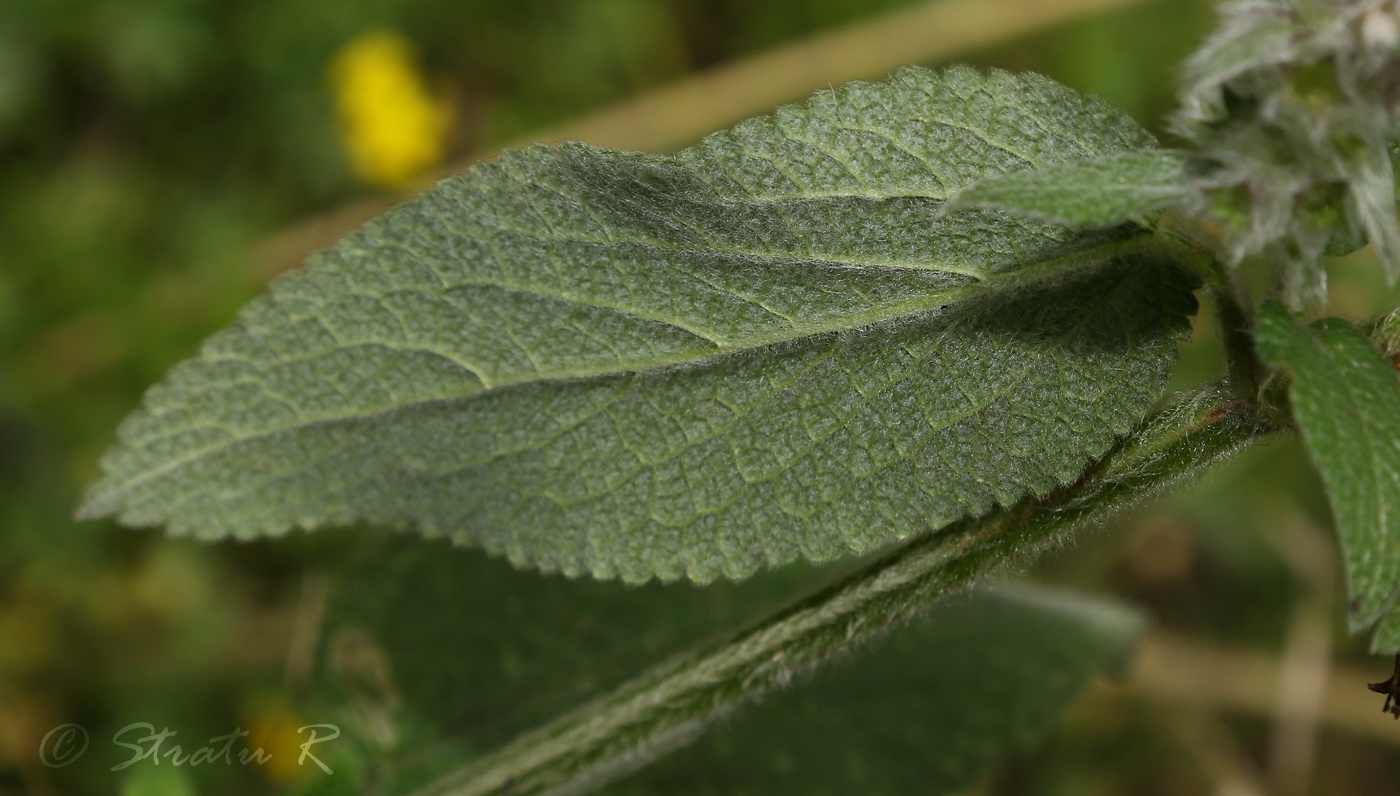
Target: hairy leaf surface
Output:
[
  {"x": 769, "y": 345},
  {"x": 1088, "y": 193},
  {"x": 1346, "y": 402}
]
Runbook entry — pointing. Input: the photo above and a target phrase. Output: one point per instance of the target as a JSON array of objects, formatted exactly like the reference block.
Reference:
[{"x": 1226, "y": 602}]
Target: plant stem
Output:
[
  {"x": 676, "y": 701},
  {"x": 1236, "y": 322},
  {"x": 1243, "y": 369}
]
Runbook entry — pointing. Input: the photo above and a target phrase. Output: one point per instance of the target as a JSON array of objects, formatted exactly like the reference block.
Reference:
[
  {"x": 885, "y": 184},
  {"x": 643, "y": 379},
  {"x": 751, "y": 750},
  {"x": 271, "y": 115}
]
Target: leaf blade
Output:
[
  {"x": 1346, "y": 402},
  {"x": 586, "y": 360}
]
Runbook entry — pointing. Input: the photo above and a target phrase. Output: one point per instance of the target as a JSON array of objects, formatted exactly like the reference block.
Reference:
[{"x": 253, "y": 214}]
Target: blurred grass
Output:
[{"x": 146, "y": 150}]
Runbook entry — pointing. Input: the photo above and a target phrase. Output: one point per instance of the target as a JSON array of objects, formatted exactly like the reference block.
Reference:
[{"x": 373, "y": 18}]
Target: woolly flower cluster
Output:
[
  {"x": 1291, "y": 106},
  {"x": 392, "y": 127}
]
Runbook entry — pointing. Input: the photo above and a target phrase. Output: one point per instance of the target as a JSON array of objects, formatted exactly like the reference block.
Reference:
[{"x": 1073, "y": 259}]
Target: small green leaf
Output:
[
  {"x": 1088, "y": 193},
  {"x": 770, "y": 345},
  {"x": 1346, "y": 402},
  {"x": 1384, "y": 332}
]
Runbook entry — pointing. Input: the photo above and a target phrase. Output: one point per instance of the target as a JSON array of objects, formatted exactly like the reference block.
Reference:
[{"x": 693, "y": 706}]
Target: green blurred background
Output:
[{"x": 161, "y": 160}]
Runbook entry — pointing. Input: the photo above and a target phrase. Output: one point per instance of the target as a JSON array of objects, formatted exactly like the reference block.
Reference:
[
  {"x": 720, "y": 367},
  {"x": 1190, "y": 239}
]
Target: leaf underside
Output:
[
  {"x": 770, "y": 345},
  {"x": 903, "y": 716},
  {"x": 1346, "y": 402},
  {"x": 931, "y": 710}
]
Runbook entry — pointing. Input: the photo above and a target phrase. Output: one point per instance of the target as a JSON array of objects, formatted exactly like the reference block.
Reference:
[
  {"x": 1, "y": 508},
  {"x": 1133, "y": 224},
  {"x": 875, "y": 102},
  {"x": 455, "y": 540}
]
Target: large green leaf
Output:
[
  {"x": 769, "y": 345},
  {"x": 473, "y": 652},
  {"x": 1346, "y": 402}
]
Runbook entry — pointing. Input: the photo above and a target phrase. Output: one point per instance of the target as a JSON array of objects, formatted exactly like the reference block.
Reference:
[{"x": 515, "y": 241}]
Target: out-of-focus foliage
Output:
[
  {"x": 146, "y": 148},
  {"x": 492, "y": 651},
  {"x": 928, "y": 711}
]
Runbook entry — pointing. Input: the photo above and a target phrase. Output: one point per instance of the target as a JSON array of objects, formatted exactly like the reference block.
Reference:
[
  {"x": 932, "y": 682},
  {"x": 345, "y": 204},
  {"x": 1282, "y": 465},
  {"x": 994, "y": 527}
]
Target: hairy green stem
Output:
[
  {"x": 1244, "y": 371},
  {"x": 673, "y": 703}
]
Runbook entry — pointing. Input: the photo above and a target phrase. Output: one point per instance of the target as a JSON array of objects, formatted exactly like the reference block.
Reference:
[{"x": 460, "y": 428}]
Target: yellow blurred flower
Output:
[
  {"x": 392, "y": 127},
  {"x": 273, "y": 727}
]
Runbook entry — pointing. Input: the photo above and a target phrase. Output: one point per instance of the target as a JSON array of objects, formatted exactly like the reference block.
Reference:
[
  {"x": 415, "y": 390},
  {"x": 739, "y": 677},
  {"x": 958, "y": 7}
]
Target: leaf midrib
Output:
[
  {"x": 644, "y": 465},
  {"x": 890, "y": 312},
  {"x": 1142, "y": 240},
  {"x": 710, "y": 247},
  {"x": 973, "y": 408}
]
